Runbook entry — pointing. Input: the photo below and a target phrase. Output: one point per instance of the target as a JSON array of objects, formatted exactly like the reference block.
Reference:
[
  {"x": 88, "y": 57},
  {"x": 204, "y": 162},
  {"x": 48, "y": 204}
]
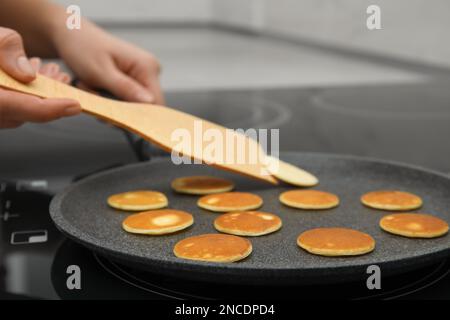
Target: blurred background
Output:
[{"x": 280, "y": 42}]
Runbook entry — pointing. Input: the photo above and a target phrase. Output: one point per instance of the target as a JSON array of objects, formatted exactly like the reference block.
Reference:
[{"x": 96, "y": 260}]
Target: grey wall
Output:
[
  {"x": 119, "y": 11},
  {"x": 238, "y": 13},
  {"x": 411, "y": 29}
]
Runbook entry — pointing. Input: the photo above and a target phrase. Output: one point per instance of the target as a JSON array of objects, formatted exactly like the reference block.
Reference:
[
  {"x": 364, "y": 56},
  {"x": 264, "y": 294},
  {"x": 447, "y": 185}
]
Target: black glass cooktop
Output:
[{"x": 408, "y": 123}]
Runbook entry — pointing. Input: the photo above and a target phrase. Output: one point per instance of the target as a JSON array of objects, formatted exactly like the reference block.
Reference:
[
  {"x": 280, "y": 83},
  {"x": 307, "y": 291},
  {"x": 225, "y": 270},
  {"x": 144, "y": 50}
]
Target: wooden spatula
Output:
[{"x": 156, "y": 124}]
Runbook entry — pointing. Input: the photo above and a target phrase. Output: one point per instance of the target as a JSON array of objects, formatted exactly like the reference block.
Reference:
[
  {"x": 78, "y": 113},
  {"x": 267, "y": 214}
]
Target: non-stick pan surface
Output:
[{"x": 82, "y": 214}]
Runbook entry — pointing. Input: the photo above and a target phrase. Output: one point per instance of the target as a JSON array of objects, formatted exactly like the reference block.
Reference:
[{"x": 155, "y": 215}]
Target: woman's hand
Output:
[
  {"x": 102, "y": 61},
  {"x": 98, "y": 59},
  {"x": 50, "y": 70},
  {"x": 17, "y": 108}
]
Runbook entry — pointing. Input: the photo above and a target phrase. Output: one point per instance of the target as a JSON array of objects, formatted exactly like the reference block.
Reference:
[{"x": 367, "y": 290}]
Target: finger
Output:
[
  {"x": 147, "y": 73},
  {"x": 152, "y": 83},
  {"x": 64, "y": 77},
  {"x": 20, "y": 107},
  {"x": 13, "y": 59},
  {"x": 125, "y": 87},
  {"x": 36, "y": 63},
  {"x": 50, "y": 70},
  {"x": 155, "y": 87}
]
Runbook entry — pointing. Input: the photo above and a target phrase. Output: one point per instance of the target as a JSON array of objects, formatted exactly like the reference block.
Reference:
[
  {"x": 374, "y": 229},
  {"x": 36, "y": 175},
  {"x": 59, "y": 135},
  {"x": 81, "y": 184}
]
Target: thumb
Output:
[
  {"x": 126, "y": 88},
  {"x": 13, "y": 59}
]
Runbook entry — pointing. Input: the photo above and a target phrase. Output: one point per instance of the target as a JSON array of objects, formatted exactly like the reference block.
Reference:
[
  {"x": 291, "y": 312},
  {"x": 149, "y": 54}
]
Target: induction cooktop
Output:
[{"x": 407, "y": 123}]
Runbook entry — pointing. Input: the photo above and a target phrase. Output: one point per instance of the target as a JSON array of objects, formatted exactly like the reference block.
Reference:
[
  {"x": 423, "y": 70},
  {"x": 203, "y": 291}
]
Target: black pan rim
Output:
[{"x": 67, "y": 229}]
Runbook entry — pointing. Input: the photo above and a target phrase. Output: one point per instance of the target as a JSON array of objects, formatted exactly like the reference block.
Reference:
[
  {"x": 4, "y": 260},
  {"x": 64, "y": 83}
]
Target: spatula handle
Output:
[
  {"x": 48, "y": 88},
  {"x": 156, "y": 124}
]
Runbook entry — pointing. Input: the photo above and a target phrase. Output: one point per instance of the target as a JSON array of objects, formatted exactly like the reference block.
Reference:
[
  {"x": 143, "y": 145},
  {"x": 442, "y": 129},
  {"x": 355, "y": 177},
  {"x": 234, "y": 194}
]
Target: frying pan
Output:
[{"x": 82, "y": 214}]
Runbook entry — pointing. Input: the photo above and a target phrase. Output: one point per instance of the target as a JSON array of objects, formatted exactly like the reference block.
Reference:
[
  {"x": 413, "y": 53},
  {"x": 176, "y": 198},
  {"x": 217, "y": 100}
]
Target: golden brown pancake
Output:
[
  {"x": 336, "y": 242},
  {"x": 138, "y": 200},
  {"x": 213, "y": 247},
  {"x": 414, "y": 225},
  {"x": 309, "y": 199},
  {"x": 248, "y": 223},
  {"x": 201, "y": 185},
  {"x": 290, "y": 174},
  {"x": 230, "y": 201},
  {"x": 391, "y": 200},
  {"x": 158, "y": 222}
]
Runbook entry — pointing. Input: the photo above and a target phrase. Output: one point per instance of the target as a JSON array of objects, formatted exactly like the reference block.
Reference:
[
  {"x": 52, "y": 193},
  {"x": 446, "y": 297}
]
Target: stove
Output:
[{"x": 408, "y": 123}]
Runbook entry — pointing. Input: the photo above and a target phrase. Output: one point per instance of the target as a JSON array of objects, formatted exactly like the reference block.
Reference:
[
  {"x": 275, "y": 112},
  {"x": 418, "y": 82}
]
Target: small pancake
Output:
[
  {"x": 290, "y": 174},
  {"x": 158, "y": 222},
  {"x": 336, "y": 242},
  {"x": 248, "y": 223},
  {"x": 230, "y": 201},
  {"x": 414, "y": 225},
  {"x": 309, "y": 199},
  {"x": 138, "y": 200},
  {"x": 391, "y": 200},
  {"x": 213, "y": 247},
  {"x": 201, "y": 185}
]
